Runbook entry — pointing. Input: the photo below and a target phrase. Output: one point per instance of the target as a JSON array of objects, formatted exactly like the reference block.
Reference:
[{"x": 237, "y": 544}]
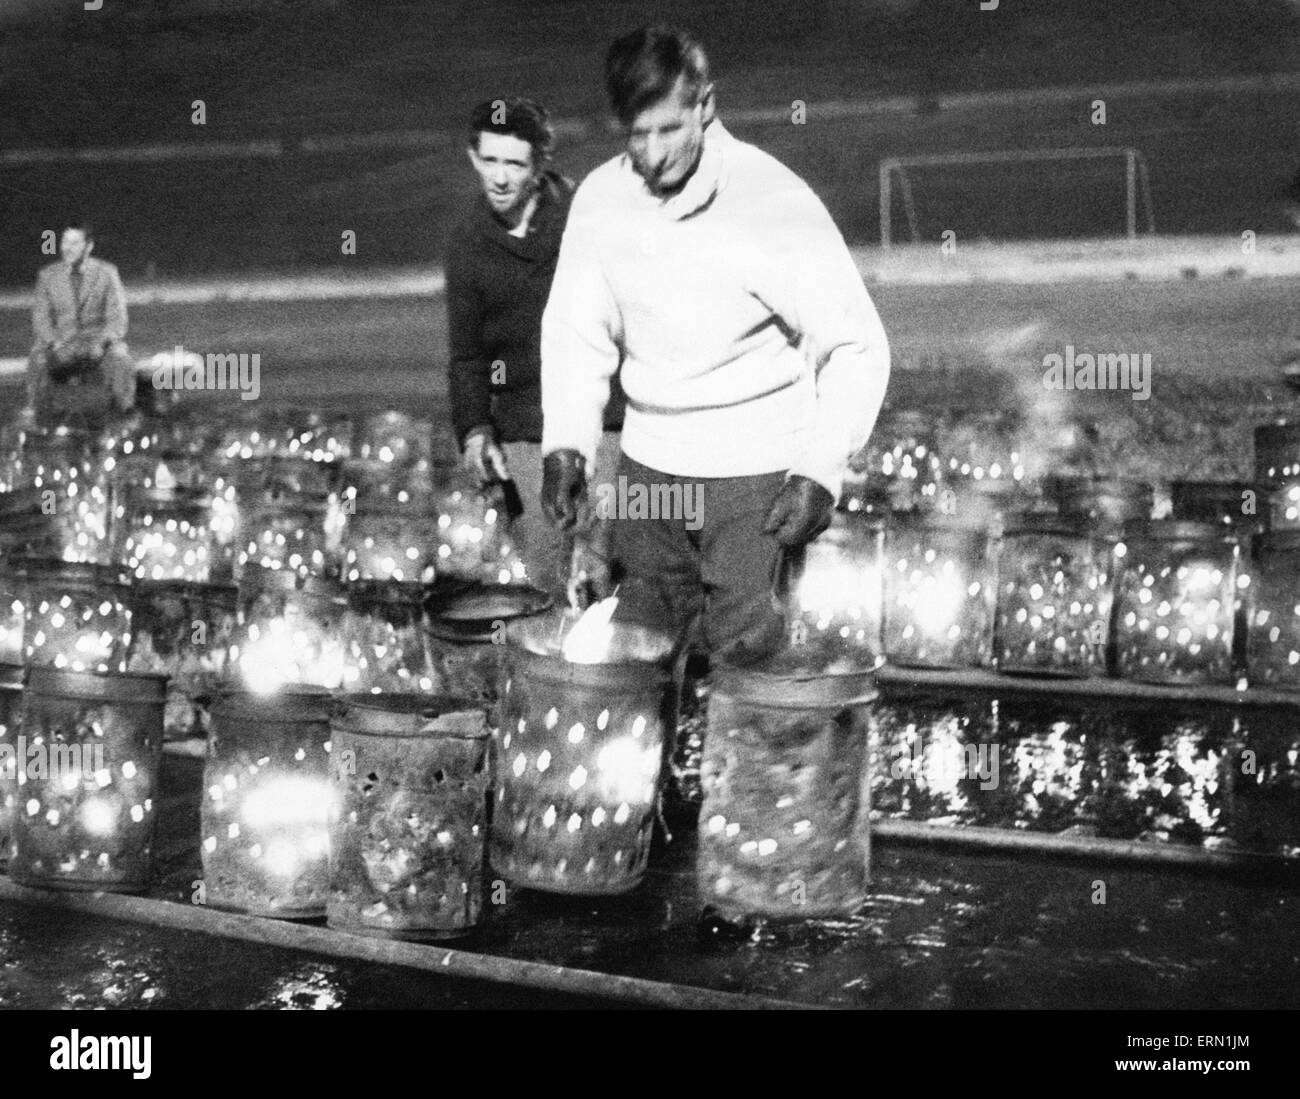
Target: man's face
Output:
[
  {"x": 73, "y": 246},
  {"x": 506, "y": 169},
  {"x": 664, "y": 139}
]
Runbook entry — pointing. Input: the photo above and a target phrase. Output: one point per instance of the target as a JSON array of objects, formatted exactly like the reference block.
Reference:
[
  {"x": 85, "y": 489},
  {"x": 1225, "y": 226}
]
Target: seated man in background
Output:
[{"x": 79, "y": 321}]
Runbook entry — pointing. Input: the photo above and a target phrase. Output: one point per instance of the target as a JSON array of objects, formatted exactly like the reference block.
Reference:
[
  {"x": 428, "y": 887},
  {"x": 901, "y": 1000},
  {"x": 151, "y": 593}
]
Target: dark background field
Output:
[{"x": 127, "y": 75}]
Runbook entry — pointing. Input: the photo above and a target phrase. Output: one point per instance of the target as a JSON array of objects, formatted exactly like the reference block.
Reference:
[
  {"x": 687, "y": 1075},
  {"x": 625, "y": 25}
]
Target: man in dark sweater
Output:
[{"x": 500, "y": 264}]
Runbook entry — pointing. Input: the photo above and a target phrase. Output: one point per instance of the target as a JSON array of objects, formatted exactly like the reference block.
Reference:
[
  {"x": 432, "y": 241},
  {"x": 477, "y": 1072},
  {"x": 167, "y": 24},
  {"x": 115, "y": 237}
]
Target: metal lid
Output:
[
  {"x": 468, "y": 612},
  {"x": 225, "y": 594},
  {"x": 389, "y": 592},
  {"x": 794, "y": 691},
  {"x": 303, "y": 702},
  {"x": 135, "y": 687},
  {"x": 79, "y": 574},
  {"x": 403, "y": 715},
  {"x": 636, "y": 653},
  {"x": 258, "y": 578}
]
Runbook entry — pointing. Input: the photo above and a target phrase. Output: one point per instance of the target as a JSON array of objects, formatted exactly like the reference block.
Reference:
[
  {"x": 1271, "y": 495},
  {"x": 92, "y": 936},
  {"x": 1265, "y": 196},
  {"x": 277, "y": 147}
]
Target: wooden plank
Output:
[
  {"x": 894, "y": 679},
  {"x": 432, "y": 959},
  {"x": 1092, "y": 848}
]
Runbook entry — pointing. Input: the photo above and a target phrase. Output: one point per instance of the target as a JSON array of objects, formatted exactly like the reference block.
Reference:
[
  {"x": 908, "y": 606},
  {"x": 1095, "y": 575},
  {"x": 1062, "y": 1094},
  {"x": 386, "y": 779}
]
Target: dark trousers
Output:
[{"x": 718, "y": 576}]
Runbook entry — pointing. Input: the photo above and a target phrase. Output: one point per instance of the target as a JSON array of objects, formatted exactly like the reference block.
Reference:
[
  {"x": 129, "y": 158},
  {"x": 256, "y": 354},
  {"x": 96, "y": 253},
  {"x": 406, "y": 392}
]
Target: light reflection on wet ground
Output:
[
  {"x": 58, "y": 959},
  {"x": 1192, "y": 774},
  {"x": 940, "y": 929}
]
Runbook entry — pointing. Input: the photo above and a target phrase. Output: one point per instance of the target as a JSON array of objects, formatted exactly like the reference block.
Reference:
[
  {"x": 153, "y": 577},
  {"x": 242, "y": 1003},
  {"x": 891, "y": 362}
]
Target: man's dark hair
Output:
[
  {"x": 641, "y": 68},
  {"x": 521, "y": 118},
  {"x": 83, "y": 226}
]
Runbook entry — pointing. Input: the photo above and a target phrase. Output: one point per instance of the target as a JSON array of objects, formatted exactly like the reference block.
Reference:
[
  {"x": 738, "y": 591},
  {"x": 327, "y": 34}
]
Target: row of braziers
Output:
[
  {"x": 372, "y": 807},
  {"x": 288, "y": 548},
  {"x": 1085, "y": 583},
  {"x": 377, "y": 509},
  {"x": 403, "y": 815}
]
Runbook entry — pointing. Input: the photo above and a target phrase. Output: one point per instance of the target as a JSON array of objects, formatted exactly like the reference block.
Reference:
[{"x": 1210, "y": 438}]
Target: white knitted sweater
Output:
[{"x": 747, "y": 341}]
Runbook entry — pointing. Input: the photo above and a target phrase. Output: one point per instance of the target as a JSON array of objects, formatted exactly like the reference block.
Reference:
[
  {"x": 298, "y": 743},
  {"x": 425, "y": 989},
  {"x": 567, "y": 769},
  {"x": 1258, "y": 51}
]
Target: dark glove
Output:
[
  {"x": 802, "y": 510},
  {"x": 564, "y": 487}
]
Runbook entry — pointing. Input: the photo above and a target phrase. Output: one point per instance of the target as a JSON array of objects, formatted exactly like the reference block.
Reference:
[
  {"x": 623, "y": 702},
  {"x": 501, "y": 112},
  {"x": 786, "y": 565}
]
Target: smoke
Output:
[{"x": 1049, "y": 433}]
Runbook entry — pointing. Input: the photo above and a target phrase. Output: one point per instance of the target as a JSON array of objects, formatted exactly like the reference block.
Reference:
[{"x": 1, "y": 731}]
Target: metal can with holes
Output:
[
  {"x": 581, "y": 752},
  {"x": 267, "y": 798},
  {"x": 783, "y": 829},
  {"x": 1175, "y": 602},
  {"x": 410, "y": 825},
  {"x": 87, "y": 780}
]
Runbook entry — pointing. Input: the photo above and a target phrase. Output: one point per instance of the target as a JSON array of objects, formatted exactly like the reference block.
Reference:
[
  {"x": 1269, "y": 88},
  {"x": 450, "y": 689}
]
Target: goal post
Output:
[{"x": 1137, "y": 185}]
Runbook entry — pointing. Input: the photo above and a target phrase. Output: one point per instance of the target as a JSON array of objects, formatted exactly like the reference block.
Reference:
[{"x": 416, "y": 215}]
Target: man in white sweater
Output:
[{"x": 753, "y": 359}]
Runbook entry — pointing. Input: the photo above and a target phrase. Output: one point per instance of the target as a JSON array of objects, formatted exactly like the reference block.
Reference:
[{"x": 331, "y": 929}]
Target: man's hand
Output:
[
  {"x": 564, "y": 487},
  {"x": 802, "y": 510},
  {"x": 483, "y": 458}
]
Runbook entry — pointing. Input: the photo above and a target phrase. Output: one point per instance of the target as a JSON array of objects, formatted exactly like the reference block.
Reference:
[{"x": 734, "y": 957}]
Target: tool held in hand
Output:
[{"x": 513, "y": 501}]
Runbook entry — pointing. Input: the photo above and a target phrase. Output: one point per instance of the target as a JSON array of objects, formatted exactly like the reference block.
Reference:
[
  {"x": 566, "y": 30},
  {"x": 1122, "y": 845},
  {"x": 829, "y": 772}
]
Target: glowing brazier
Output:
[
  {"x": 473, "y": 541},
  {"x": 11, "y": 614},
  {"x": 1277, "y": 465},
  {"x": 167, "y": 535},
  {"x": 1175, "y": 602},
  {"x": 395, "y": 543},
  {"x": 1054, "y": 594},
  {"x": 267, "y": 799},
  {"x": 86, "y": 780},
  {"x": 1273, "y": 639},
  {"x": 11, "y": 696},
  {"x": 939, "y": 593},
  {"x": 77, "y": 616},
  {"x": 184, "y": 631},
  {"x": 291, "y": 631},
  {"x": 383, "y": 636},
  {"x": 580, "y": 751},
  {"x": 66, "y": 469},
  {"x": 407, "y": 840},
  {"x": 783, "y": 829},
  {"x": 283, "y": 532},
  {"x": 833, "y": 593}
]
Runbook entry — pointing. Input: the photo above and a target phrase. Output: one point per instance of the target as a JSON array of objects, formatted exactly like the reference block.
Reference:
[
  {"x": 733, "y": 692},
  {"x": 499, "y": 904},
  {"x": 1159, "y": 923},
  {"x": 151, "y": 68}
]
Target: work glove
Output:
[
  {"x": 483, "y": 459},
  {"x": 801, "y": 511},
  {"x": 564, "y": 487}
]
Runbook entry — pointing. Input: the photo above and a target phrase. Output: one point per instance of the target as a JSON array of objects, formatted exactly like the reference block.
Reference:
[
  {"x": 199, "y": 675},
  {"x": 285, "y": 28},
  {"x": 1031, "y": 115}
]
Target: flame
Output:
[
  {"x": 627, "y": 770},
  {"x": 592, "y": 637}
]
